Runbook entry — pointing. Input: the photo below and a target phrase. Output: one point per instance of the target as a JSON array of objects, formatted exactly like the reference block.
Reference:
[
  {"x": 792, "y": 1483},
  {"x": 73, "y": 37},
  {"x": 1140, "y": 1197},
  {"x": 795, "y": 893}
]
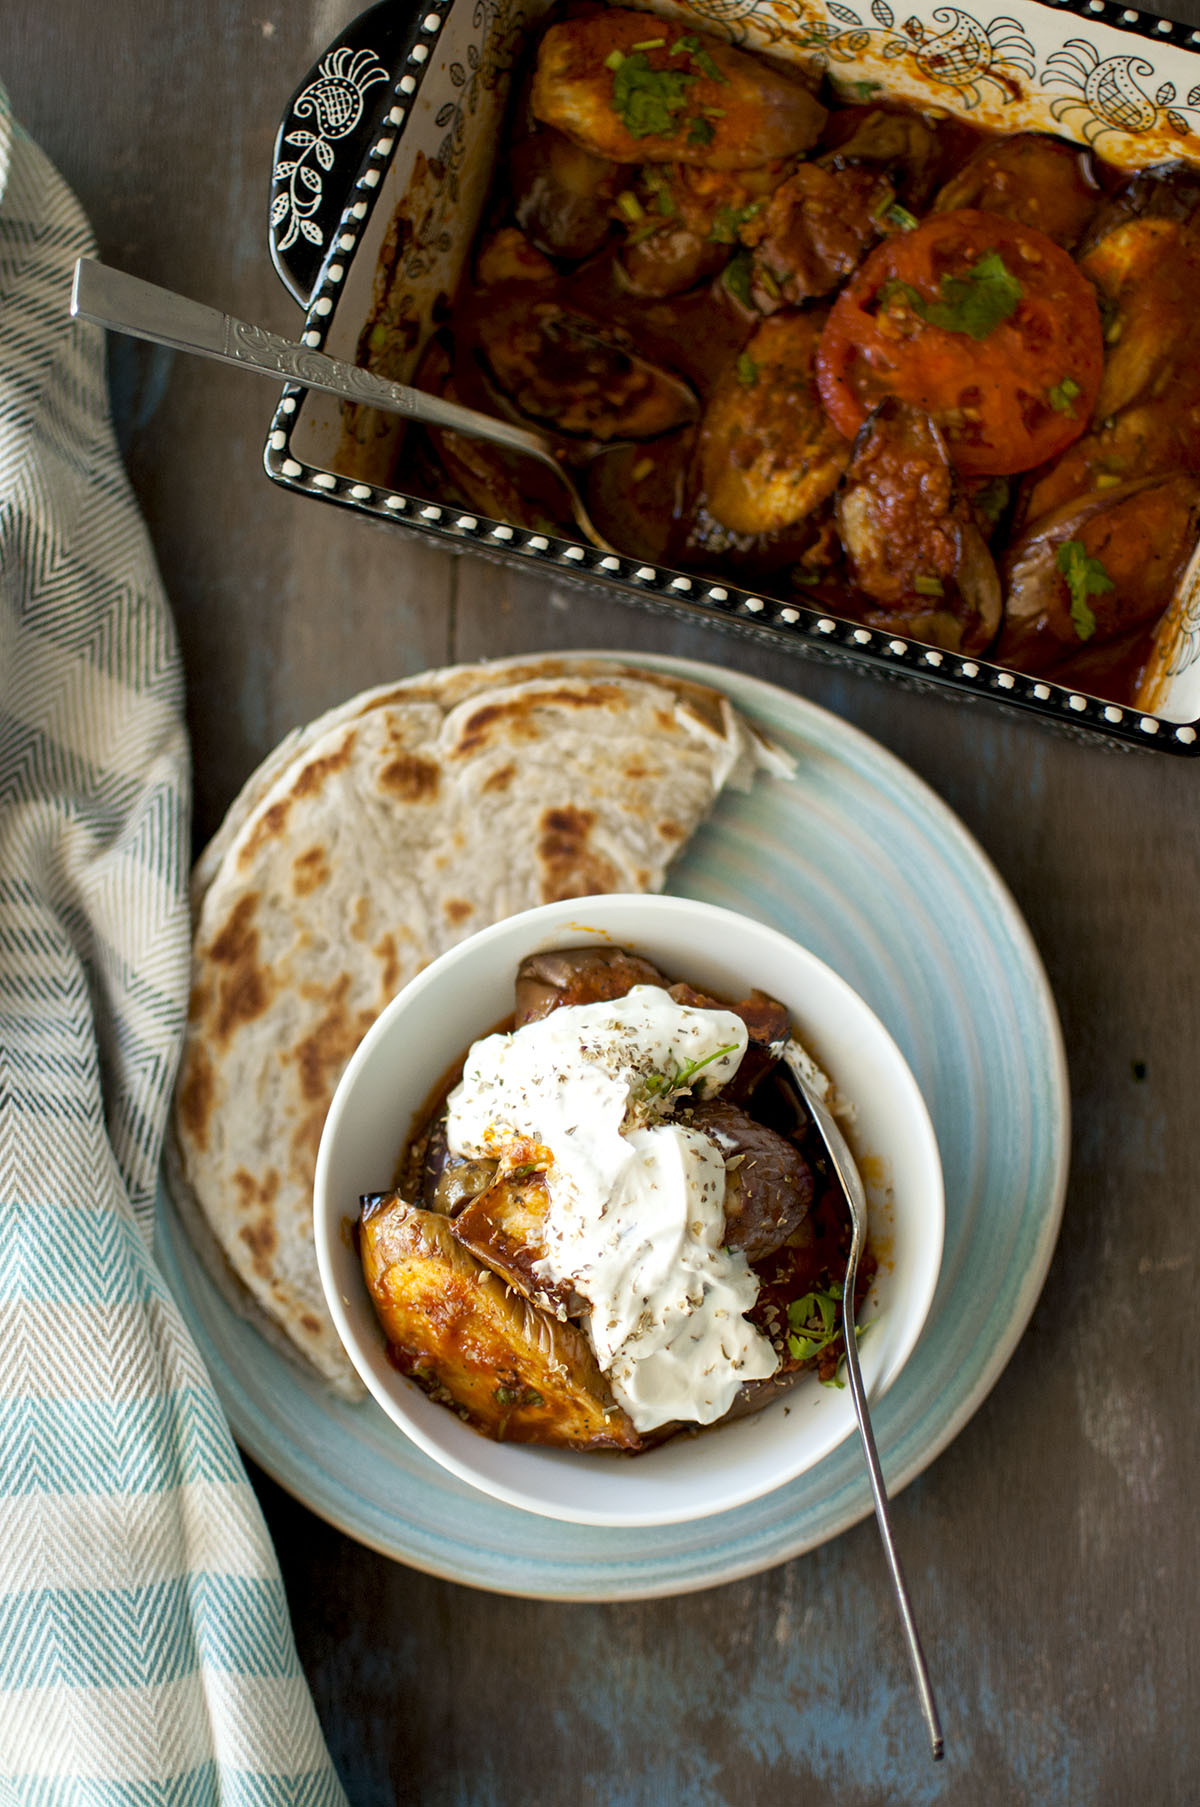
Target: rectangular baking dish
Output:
[{"x": 382, "y": 165}]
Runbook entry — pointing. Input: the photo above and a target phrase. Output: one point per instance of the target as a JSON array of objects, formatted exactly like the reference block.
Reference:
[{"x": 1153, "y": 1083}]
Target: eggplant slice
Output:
[
  {"x": 910, "y": 536},
  {"x": 768, "y": 1185},
  {"x": 768, "y": 453},
  {"x": 578, "y": 975},
  {"x": 511, "y": 1370},
  {"x": 723, "y": 108},
  {"x": 1133, "y": 544},
  {"x": 1041, "y": 182},
  {"x": 577, "y": 375}
]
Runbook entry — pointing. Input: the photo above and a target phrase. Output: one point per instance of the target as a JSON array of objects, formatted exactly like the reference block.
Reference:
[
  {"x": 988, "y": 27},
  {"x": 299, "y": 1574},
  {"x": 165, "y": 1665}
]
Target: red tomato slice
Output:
[{"x": 1008, "y": 390}]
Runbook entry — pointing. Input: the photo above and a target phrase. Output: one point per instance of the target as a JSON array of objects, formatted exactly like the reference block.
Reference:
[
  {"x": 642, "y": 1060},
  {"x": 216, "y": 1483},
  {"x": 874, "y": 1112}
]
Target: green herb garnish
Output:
[
  {"x": 990, "y": 502},
  {"x": 813, "y": 1323},
  {"x": 738, "y": 273},
  {"x": 1063, "y": 396},
  {"x": 728, "y": 222},
  {"x": 518, "y": 1396},
  {"x": 679, "y": 1078},
  {"x": 701, "y": 131},
  {"x": 900, "y": 217},
  {"x": 650, "y": 44},
  {"x": 696, "y": 53},
  {"x": 648, "y": 99},
  {"x": 1085, "y": 577},
  {"x": 747, "y": 371},
  {"x": 974, "y": 304}
]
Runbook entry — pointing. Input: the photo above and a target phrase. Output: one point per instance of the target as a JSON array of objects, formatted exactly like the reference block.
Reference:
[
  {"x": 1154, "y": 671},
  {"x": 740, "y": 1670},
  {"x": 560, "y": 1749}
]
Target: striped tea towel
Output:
[{"x": 145, "y": 1650}]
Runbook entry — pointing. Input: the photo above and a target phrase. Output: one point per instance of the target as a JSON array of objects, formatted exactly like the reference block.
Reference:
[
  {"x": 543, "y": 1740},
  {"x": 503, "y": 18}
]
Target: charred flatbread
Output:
[{"x": 393, "y": 827}]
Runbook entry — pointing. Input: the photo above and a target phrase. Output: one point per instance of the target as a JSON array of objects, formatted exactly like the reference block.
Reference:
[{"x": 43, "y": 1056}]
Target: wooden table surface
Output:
[{"x": 1052, "y": 1548}]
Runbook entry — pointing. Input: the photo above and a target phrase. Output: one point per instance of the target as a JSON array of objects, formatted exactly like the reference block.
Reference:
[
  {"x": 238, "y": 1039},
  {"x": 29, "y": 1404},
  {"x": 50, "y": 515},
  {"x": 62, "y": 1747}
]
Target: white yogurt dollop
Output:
[{"x": 636, "y": 1217}]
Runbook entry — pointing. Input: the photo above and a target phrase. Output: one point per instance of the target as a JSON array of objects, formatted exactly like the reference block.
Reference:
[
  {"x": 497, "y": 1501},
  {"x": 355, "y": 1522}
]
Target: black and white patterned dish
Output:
[{"x": 402, "y": 113}]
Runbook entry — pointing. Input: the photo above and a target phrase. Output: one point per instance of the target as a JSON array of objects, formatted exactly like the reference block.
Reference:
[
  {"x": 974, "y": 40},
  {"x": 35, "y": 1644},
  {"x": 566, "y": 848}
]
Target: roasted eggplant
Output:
[
  {"x": 768, "y": 1185},
  {"x": 512, "y": 1370},
  {"x": 578, "y": 374},
  {"x": 1098, "y": 570},
  {"x": 768, "y": 453},
  {"x": 577, "y": 975},
  {"x": 1040, "y": 181},
  {"x": 638, "y": 89},
  {"x": 910, "y": 536}
]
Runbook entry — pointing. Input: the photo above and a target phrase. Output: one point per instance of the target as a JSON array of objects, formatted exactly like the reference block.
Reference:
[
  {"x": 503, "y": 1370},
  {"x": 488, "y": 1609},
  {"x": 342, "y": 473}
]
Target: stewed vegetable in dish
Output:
[
  {"x": 853, "y": 355},
  {"x": 616, "y": 1221}
]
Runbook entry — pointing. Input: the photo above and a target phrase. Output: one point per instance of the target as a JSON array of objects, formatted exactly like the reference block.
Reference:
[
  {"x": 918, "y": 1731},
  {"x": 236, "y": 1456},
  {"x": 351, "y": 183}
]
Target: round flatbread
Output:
[{"x": 392, "y": 828}]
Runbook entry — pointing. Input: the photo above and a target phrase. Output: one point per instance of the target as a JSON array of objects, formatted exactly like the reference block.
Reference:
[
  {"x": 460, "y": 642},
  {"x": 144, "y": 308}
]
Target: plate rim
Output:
[{"x": 742, "y": 688}]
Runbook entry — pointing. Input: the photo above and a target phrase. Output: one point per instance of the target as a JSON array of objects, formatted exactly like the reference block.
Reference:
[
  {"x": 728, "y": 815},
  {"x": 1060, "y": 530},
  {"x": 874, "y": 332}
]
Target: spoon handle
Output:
[
  {"x": 847, "y": 1172},
  {"x": 126, "y": 304}
]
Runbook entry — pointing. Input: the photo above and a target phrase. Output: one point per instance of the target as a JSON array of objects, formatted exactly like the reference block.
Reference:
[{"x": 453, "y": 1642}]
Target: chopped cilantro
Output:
[
  {"x": 990, "y": 502},
  {"x": 705, "y": 64},
  {"x": 664, "y": 203},
  {"x": 648, "y": 99},
  {"x": 738, "y": 272},
  {"x": 1063, "y": 396},
  {"x": 701, "y": 131},
  {"x": 813, "y": 1323},
  {"x": 728, "y": 222},
  {"x": 518, "y": 1396},
  {"x": 679, "y": 1078},
  {"x": 1085, "y": 577},
  {"x": 974, "y": 304},
  {"x": 747, "y": 371}
]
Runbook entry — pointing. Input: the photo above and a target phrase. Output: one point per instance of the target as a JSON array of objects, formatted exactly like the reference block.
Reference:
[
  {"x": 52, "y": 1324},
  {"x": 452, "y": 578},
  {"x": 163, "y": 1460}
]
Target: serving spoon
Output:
[
  {"x": 846, "y": 1170},
  {"x": 127, "y": 304}
]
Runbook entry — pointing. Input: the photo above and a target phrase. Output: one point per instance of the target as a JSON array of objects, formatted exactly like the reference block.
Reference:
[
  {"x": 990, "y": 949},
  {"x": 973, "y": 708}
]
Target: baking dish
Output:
[{"x": 382, "y": 165}]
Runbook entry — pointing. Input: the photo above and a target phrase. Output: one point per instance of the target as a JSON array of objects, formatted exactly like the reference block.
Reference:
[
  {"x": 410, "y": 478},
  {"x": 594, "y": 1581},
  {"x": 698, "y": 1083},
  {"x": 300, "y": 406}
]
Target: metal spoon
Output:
[
  {"x": 126, "y": 304},
  {"x": 851, "y": 1182}
]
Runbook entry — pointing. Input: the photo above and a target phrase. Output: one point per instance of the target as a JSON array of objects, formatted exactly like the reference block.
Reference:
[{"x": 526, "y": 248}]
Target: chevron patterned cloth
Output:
[{"x": 145, "y": 1649}]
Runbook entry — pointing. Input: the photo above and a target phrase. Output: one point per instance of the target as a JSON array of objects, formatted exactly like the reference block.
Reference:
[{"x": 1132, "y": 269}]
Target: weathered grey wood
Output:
[{"x": 1052, "y": 1548}]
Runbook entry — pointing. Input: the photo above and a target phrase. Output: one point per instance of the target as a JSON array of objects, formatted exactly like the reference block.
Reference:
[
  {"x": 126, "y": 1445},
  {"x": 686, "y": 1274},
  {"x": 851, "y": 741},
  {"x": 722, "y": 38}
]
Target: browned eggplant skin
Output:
[
  {"x": 908, "y": 532},
  {"x": 562, "y": 195},
  {"x": 768, "y": 1185},
  {"x": 1041, "y": 182},
  {"x": 578, "y": 975},
  {"x": 580, "y": 374},
  {"x": 511, "y": 1370},
  {"x": 1142, "y": 534}
]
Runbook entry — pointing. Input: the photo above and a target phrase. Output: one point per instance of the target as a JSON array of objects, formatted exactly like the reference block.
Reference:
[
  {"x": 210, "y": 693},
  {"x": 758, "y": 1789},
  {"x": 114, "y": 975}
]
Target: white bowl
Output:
[{"x": 462, "y": 995}]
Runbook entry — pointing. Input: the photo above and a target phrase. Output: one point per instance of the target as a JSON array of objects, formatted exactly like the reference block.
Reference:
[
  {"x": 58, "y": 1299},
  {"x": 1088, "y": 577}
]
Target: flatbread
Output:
[{"x": 396, "y": 825}]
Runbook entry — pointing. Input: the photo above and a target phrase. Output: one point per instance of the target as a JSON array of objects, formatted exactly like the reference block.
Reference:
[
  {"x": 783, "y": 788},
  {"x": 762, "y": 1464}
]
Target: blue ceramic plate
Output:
[{"x": 858, "y": 860}]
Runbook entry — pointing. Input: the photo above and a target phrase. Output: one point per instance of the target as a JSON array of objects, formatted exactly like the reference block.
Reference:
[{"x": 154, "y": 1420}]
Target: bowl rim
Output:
[{"x": 329, "y": 1214}]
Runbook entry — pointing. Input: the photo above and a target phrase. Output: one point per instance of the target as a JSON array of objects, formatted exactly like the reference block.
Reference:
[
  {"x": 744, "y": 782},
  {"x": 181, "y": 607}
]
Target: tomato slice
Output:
[{"x": 983, "y": 323}]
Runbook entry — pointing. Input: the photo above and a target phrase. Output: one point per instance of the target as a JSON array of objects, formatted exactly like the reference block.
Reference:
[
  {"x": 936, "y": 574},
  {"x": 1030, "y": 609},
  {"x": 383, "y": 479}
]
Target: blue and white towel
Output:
[{"x": 145, "y": 1649}]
